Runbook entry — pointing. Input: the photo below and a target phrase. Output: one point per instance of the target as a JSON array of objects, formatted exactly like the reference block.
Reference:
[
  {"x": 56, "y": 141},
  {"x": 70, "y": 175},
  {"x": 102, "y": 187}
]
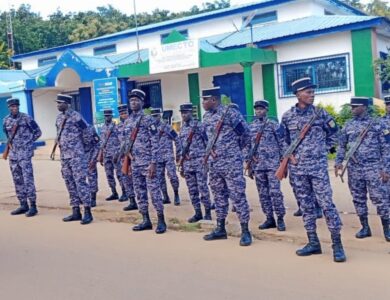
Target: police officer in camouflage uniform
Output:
[
  {"x": 71, "y": 131},
  {"x": 191, "y": 168},
  {"x": 110, "y": 140},
  {"x": 24, "y": 131},
  {"x": 167, "y": 160},
  {"x": 127, "y": 179},
  {"x": 310, "y": 173},
  {"x": 386, "y": 124},
  {"x": 92, "y": 146},
  {"x": 367, "y": 170},
  {"x": 265, "y": 161},
  {"x": 144, "y": 158},
  {"x": 225, "y": 163}
]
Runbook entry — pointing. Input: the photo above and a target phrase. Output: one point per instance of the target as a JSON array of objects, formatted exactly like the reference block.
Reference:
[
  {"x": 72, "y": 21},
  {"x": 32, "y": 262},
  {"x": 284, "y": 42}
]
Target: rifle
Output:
[
  {"x": 214, "y": 138},
  {"x": 53, "y": 152},
  {"x": 8, "y": 147},
  {"x": 354, "y": 147},
  {"x": 186, "y": 149},
  {"x": 281, "y": 172},
  {"x": 127, "y": 150},
  {"x": 103, "y": 146},
  {"x": 252, "y": 153}
]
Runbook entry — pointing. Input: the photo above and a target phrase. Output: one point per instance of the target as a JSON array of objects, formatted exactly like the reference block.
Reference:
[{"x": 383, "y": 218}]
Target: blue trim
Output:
[
  {"x": 123, "y": 90},
  {"x": 29, "y": 100},
  {"x": 347, "y": 7}
]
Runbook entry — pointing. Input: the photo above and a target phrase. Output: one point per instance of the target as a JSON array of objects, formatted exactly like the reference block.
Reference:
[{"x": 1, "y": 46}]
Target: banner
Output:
[
  {"x": 174, "y": 57},
  {"x": 106, "y": 97}
]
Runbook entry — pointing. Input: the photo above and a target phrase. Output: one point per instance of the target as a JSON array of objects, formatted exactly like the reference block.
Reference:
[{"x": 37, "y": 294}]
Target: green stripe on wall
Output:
[
  {"x": 193, "y": 87},
  {"x": 268, "y": 73},
  {"x": 364, "y": 76}
]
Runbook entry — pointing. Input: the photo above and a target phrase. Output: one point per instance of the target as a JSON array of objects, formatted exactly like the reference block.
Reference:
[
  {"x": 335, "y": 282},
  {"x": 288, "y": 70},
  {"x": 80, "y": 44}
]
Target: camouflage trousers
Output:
[
  {"x": 313, "y": 186},
  {"x": 365, "y": 181},
  {"x": 170, "y": 166},
  {"x": 74, "y": 172},
  {"x": 198, "y": 189},
  {"x": 228, "y": 182},
  {"x": 23, "y": 177},
  {"x": 270, "y": 195},
  {"x": 143, "y": 184},
  {"x": 110, "y": 168}
]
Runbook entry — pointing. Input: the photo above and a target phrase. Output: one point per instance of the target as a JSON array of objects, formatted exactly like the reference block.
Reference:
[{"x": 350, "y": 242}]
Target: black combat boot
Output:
[
  {"x": 123, "y": 197},
  {"x": 87, "y": 216},
  {"x": 298, "y": 213},
  {"x": 145, "y": 225},
  {"x": 166, "y": 199},
  {"x": 338, "y": 250},
  {"x": 32, "y": 211},
  {"x": 219, "y": 233},
  {"x": 93, "y": 199},
  {"x": 386, "y": 228},
  {"x": 132, "y": 205},
  {"x": 177, "y": 198},
  {"x": 269, "y": 223},
  {"x": 22, "y": 209},
  {"x": 212, "y": 206},
  {"x": 313, "y": 247},
  {"x": 280, "y": 226},
  {"x": 161, "y": 226},
  {"x": 75, "y": 216},
  {"x": 246, "y": 237},
  {"x": 365, "y": 231},
  {"x": 207, "y": 214},
  {"x": 197, "y": 217},
  {"x": 113, "y": 196}
]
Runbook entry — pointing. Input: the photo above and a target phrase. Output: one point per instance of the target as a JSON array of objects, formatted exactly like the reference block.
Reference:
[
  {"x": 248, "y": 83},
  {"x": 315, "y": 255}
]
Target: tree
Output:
[
  {"x": 378, "y": 8},
  {"x": 4, "y": 56}
]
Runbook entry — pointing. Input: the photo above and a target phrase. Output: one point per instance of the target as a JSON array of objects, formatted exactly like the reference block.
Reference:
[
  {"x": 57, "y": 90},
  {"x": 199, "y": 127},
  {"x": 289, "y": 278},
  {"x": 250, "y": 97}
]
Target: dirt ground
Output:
[{"x": 44, "y": 258}]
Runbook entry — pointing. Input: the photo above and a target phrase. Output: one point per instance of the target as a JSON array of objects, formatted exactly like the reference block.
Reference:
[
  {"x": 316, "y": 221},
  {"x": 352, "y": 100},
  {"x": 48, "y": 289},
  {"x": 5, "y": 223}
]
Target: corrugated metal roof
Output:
[
  {"x": 96, "y": 62},
  {"x": 12, "y": 75},
  {"x": 271, "y": 31}
]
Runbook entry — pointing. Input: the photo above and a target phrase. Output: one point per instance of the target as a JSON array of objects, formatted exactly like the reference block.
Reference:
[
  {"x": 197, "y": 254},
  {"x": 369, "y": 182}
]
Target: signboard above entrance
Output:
[
  {"x": 174, "y": 57},
  {"x": 106, "y": 96}
]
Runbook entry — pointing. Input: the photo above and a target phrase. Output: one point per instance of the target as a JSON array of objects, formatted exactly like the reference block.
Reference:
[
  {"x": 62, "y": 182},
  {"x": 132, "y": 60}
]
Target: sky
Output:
[{"x": 45, "y": 7}]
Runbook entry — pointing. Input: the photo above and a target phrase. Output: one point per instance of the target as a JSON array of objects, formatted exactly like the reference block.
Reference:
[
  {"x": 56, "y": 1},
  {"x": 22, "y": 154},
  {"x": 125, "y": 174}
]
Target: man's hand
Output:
[
  {"x": 337, "y": 169},
  {"x": 385, "y": 176},
  {"x": 152, "y": 170}
]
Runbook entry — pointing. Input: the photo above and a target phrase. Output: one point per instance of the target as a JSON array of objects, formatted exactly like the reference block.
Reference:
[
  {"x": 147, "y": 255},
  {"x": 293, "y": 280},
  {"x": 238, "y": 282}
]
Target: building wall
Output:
[
  {"x": 45, "y": 109},
  {"x": 298, "y": 10},
  {"x": 383, "y": 43},
  {"x": 338, "y": 43}
]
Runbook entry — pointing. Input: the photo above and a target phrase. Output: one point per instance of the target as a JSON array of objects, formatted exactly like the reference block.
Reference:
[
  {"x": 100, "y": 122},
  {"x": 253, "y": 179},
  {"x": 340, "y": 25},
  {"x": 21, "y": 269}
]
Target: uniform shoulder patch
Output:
[{"x": 332, "y": 123}]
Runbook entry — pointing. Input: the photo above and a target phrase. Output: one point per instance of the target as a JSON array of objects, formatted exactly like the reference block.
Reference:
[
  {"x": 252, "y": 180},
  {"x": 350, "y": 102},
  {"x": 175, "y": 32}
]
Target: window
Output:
[
  {"x": 261, "y": 18},
  {"x": 47, "y": 61},
  {"x": 385, "y": 84},
  {"x": 330, "y": 74},
  {"x": 328, "y": 13},
  {"x": 104, "y": 50},
  {"x": 183, "y": 32}
]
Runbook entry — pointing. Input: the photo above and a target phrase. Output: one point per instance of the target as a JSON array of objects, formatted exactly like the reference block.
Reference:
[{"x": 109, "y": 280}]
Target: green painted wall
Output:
[
  {"x": 248, "y": 83},
  {"x": 268, "y": 72},
  {"x": 364, "y": 76},
  {"x": 193, "y": 87}
]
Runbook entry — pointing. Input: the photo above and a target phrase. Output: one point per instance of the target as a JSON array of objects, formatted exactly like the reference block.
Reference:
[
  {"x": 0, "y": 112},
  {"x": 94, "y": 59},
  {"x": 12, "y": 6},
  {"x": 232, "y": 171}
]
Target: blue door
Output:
[
  {"x": 3, "y": 113},
  {"x": 232, "y": 86},
  {"x": 85, "y": 104}
]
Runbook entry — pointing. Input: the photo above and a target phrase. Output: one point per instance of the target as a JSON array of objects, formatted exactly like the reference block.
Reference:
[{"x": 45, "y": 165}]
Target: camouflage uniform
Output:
[
  {"x": 92, "y": 146},
  {"x": 226, "y": 168},
  {"x": 266, "y": 162},
  {"x": 144, "y": 152},
  {"x": 126, "y": 179},
  {"x": 194, "y": 173},
  {"x": 369, "y": 160},
  {"x": 309, "y": 177},
  {"x": 74, "y": 164},
  {"x": 20, "y": 155}
]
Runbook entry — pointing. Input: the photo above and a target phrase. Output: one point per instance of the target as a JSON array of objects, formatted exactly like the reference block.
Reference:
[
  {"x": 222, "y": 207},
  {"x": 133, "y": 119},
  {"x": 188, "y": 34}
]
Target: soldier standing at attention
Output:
[
  {"x": 74, "y": 166},
  {"x": 309, "y": 168},
  {"x": 264, "y": 158},
  {"x": 142, "y": 138},
  {"x": 227, "y": 134},
  {"x": 123, "y": 110},
  {"x": 167, "y": 160},
  {"x": 92, "y": 146},
  {"x": 367, "y": 170},
  {"x": 22, "y": 131},
  {"x": 386, "y": 124},
  {"x": 110, "y": 141},
  {"x": 190, "y": 154}
]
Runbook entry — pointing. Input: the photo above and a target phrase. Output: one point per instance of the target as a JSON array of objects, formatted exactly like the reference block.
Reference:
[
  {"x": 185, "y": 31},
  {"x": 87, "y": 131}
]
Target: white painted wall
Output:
[
  {"x": 299, "y": 9},
  {"x": 383, "y": 43},
  {"x": 45, "y": 110}
]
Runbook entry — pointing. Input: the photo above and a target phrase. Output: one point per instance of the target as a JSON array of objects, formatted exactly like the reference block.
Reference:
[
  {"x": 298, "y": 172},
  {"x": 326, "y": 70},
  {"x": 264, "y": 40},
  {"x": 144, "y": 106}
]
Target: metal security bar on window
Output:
[
  {"x": 47, "y": 61},
  {"x": 330, "y": 74}
]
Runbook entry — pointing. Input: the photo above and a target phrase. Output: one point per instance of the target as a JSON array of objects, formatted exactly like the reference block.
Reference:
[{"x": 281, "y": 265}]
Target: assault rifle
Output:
[
  {"x": 281, "y": 172},
  {"x": 57, "y": 140},
  {"x": 252, "y": 153},
  {"x": 11, "y": 138},
  {"x": 104, "y": 145},
  {"x": 129, "y": 148},
  {"x": 353, "y": 149},
  {"x": 214, "y": 138},
  {"x": 186, "y": 149}
]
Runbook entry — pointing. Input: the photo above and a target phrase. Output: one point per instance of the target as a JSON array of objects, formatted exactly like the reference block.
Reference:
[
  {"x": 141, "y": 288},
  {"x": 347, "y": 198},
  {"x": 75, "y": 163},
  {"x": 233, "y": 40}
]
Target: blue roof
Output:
[
  {"x": 12, "y": 75},
  {"x": 273, "y": 33},
  {"x": 175, "y": 23}
]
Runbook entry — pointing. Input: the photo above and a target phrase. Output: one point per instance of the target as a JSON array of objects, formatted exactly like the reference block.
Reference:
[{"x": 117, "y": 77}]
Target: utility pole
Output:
[
  {"x": 136, "y": 33},
  {"x": 10, "y": 37}
]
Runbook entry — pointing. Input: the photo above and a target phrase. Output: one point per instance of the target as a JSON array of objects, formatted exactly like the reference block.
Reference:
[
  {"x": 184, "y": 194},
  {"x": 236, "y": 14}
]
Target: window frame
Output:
[
  {"x": 267, "y": 19},
  {"x": 105, "y": 50},
  {"x": 315, "y": 60},
  {"x": 47, "y": 60}
]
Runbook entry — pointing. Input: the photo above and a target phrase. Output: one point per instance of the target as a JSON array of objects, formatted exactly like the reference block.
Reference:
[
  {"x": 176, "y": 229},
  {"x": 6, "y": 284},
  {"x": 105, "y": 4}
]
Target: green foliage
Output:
[
  {"x": 225, "y": 100},
  {"x": 382, "y": 67},
  {"x": 4, "y": 56}
]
